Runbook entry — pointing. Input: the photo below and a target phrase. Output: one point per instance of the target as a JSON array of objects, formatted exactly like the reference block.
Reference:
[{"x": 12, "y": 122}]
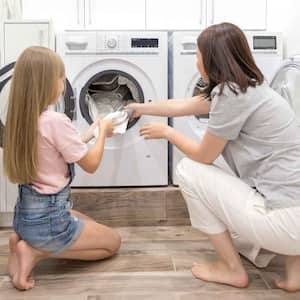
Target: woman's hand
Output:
[
  {"x": 136, "y": 109},
  {"x": 106, "y": 126},
  {"x": 155, "y": 131}
]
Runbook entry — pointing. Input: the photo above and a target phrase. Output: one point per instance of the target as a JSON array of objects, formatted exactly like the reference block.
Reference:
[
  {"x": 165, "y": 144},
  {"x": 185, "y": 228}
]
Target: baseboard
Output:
[
  {"x": 6, "y": 219},
  {"x": 118, "y": 207},
  {"x": 133, "y": 206}
]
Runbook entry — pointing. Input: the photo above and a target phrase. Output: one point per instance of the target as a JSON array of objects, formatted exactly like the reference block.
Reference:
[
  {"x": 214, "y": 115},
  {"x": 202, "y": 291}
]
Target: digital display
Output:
[
  {"x": 144, "y": 43},
  {"x": 264, "y": 42}
]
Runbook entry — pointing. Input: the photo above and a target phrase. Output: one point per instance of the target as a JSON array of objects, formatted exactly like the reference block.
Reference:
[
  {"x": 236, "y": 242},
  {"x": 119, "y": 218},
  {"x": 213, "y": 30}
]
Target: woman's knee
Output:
[
  {"x": 181, "y": 170},
  {"x": 187, "y": 173}
]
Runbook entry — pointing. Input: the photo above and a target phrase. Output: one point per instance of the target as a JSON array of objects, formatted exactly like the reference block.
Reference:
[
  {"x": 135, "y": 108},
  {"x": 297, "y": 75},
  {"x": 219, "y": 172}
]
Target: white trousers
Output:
[{"x": 218, "y": 201}]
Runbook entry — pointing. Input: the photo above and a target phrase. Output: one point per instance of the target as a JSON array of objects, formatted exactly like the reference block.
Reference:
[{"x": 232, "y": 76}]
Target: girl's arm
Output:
[
  {"x": 91, "y": 161},
  {"x": 205, "y": 151},
  {"x": 172, "y": 108},
  {"x": 89, "y": 134}
]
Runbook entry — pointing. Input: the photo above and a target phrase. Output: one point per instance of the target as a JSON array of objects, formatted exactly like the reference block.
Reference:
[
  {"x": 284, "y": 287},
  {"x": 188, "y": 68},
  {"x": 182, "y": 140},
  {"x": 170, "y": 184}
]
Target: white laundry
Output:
[{"x": 120, "y": 121}]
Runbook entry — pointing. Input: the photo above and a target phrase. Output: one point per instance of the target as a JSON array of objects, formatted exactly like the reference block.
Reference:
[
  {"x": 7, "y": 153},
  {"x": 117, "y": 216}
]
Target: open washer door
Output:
[
  {"x": 287, "y": 83},
  {"x": 65, "y": 104},
  {"x": 198, "y": 123}
]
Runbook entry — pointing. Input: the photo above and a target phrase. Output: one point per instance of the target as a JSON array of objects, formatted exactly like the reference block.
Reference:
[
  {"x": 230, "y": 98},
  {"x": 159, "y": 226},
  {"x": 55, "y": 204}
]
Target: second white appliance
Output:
[
  {"x": 185, "y": 81},
  {"x": 108, "y": 69},
  {"x": 15, "y": 37},
  {"x": 286, "y": 82}
]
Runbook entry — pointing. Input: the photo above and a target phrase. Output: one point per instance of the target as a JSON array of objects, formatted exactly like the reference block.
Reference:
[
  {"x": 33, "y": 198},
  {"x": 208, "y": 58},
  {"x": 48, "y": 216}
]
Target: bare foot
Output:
[
  {"x": 220, "y": 272},
  {"x": 12, "y": 266},
  {"x": 27, "y": 259},
  {"x": 292, "y": 269}
]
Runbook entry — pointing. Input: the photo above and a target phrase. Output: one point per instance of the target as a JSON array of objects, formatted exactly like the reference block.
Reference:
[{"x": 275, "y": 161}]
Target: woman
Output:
[{"x": 254, "y": 129}]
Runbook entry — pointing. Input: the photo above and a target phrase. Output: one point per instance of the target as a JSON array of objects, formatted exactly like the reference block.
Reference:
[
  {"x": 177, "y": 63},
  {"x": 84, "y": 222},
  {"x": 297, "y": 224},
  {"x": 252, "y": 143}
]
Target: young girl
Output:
[
  {"x": 254, "y": 129},
  {"x": 40, "y": 147}
]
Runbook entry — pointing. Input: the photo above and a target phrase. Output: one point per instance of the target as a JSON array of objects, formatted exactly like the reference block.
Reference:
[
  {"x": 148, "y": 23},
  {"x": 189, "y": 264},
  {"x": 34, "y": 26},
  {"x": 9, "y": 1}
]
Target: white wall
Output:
[{"x": 284, "y": 16}]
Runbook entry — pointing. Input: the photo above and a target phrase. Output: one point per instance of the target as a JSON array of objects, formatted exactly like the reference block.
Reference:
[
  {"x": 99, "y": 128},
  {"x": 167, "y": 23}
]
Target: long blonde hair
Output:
[{"x": 35, "y": 85}]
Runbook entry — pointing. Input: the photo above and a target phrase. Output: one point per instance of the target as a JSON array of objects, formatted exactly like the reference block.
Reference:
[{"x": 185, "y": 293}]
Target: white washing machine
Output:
[
  {"x": 185, "y": 81},
  {"x": 110, "y": 68},
  {"x": 15, "y": 37},
  {"x": 286, "y": 82}
]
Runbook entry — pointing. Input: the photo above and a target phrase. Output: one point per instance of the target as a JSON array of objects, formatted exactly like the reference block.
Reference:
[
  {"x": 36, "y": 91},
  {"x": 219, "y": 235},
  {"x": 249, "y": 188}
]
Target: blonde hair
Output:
[{"x": 35, "y": 85}]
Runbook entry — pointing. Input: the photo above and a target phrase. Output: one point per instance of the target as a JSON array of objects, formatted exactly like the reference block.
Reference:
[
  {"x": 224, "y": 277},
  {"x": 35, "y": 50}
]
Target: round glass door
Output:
[
  {"x": 198, "y": 123},
  {"x": 5, "y": 78},
  {"x": 107, "y": 92},
  {"x": 200, "y": 86},
  {"x": 287, "y": 83}
]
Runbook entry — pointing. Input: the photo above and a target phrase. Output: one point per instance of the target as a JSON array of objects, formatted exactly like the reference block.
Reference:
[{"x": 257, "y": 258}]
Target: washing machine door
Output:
[
  {"x": 5, "y": 77},
  {"x": 287, "y": 83},
  {"x": 108, "y": 91},
  {"x": 66, "y": 103},
  {"x": 198, "y": 123}
]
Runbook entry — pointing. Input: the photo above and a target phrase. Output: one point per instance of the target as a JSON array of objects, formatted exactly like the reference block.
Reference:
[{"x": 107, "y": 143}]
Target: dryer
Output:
[
  {"x": 112, "y": 68},
  {"x": 185, "y": 81}
]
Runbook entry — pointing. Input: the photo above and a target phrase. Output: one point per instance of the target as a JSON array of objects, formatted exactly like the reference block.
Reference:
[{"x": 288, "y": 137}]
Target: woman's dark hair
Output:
[{"x": 227, "y": 59}]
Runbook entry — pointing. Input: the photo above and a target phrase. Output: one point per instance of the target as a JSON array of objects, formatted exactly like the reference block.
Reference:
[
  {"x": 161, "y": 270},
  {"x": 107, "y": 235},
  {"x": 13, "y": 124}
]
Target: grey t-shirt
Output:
[{"x": 263, "y": 146}]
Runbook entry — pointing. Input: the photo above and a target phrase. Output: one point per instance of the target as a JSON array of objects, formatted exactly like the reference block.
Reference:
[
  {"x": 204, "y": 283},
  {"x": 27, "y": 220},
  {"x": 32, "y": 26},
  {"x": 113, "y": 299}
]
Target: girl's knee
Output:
[{"x": 115, "y": 242}]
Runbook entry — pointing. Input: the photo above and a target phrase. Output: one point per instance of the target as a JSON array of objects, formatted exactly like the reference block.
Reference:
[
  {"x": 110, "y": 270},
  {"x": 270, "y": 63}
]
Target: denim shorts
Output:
[{"x": 44, "y": 221}]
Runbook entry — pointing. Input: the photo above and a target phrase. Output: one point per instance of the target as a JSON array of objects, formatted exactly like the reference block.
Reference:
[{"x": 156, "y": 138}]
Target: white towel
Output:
[{"x": 120, "y": 120}]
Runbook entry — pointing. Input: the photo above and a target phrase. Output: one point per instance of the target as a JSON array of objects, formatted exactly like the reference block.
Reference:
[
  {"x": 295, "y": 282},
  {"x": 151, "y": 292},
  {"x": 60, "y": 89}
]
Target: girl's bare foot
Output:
[
  {"x": 222, "y": 273},
  {"x": 12, "y": 258},
  {"x": 292, "y": 269},
  {"x": 27, "y": 259}
]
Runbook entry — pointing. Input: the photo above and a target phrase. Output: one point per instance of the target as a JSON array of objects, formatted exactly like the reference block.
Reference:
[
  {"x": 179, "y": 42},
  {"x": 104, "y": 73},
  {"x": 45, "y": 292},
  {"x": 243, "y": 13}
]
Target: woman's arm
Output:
[
  {"x": 91, "y": 161},
  {"x": 205, "y": 151},
  {"x": 173, "y": 108}
]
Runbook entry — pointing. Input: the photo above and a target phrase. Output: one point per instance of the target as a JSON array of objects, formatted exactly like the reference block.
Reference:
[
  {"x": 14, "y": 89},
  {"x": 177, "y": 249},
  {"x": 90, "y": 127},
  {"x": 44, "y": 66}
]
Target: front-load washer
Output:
[
  {"x": 286, "y": 82},
  {"x": 108, "y": 70},
  {"x": 185, "y": 80}
]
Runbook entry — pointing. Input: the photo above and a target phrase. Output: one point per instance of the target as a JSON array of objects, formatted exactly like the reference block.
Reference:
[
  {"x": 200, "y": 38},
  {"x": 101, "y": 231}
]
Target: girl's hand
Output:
[
  {"x": 136, "y": 108},
  {"x": 106, "y": 126},
  {"x": 155, "y": 131}
]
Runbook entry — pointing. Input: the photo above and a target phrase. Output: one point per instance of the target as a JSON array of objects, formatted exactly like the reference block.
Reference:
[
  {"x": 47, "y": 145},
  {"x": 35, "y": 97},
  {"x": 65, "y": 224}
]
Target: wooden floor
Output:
[{"x": 153, "y": 263}]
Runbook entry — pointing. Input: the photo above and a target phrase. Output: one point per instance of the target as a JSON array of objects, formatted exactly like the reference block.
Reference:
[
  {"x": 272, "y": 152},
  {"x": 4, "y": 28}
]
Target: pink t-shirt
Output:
[{"x": 59, "y": 144}]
